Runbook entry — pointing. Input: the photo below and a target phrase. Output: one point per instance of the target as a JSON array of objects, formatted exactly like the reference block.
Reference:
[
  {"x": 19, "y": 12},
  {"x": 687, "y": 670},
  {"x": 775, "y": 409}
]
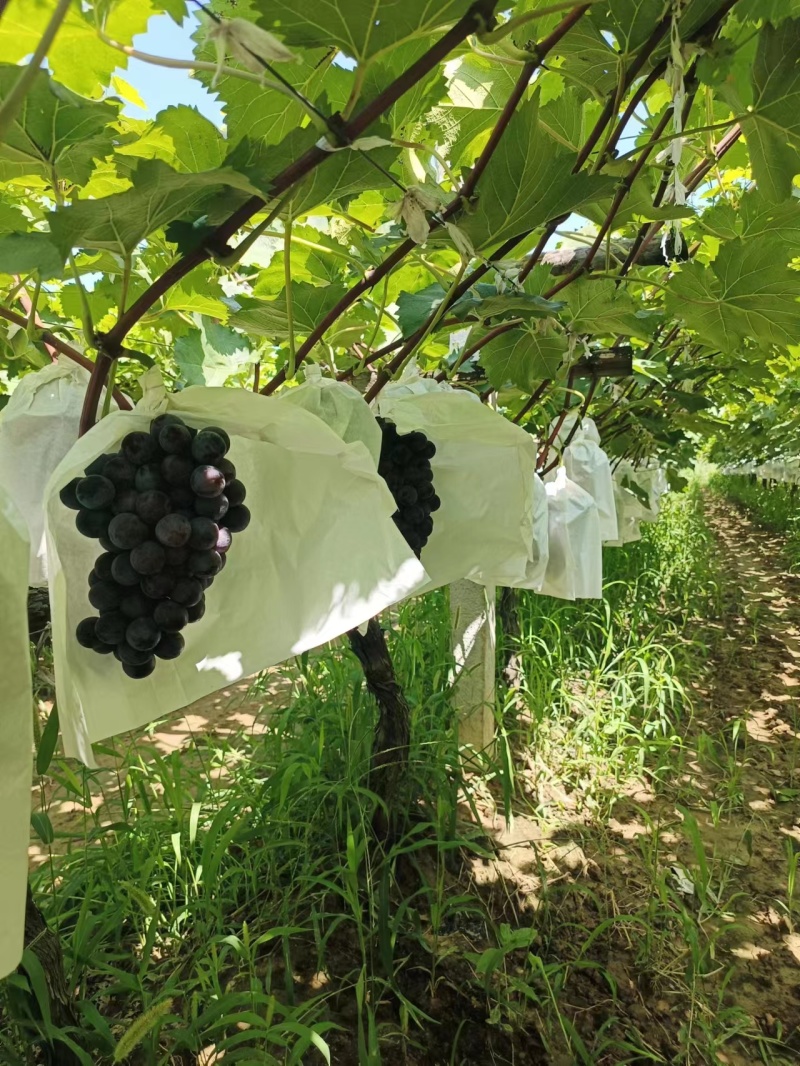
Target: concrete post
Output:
[{"x": 473, "y": 640}]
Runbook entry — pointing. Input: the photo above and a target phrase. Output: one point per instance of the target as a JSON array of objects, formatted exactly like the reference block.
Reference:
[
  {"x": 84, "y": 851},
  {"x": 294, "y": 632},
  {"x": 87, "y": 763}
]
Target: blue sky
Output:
[{"x": 160, "y": 87}]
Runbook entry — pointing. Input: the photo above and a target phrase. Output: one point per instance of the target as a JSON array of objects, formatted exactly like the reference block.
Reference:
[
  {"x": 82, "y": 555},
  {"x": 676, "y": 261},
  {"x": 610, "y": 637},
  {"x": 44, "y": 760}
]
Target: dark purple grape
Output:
[
  {"x": 157, "y": 586},
  {"x": 204, "y": 534},
  {"x": 122, "y": 571},
  {"x": 96, "y": 466},
  {"x": 406, "y": 496},
  {"x": 105, "y": 595},
  {"x": 139, "y": 448},
  {"x": 107, "y": 546},
  {"x": 170, "y": 616},
  {"x": 152, "y": 505},
  {"x": 434, "y": 503},
  {"x": 224, "y": 540},
  {"x": 127, "y": 531},
  {"x": 208, "y": 446},
  {"x": 415, "y": 440},
  {"x": 174, "y": 530},
  {"x": 103, "y": 564},
  {"x": 143, "y": 634},
  {"x": 237, "y": 519},
  {"x": 426, "y": 527},
  {"x": 187, "y": 591},
  {"x": 170, "y": 646},
  {"x": 85, "y": 632},
  {"x": 206, "y": 581},
  {"x": 94, "y": 577},
  {"x": 148, "y": 558},
  {"x": 67, "y": 494},
  {"x": 204, "y": 562},
  {"x": 236, "y": 492},
  {"x": 101, "y": 648},
  {"x": 125, "y": 502},
  {"x": 93, "y": 523},
  {"x": 148, "y": 478},
  {"x": 176, "y": 557},
  {"x": 136, "y": 605},
  {"x": 428, "y": 451},
  {"x": 181, "y": 496},
  {"x": 414, "y": 515},
  {"x": 214, "y": 508},
  {"x": 120, "y": 470},
  {"x": 220, "y": 433},
  {"x": 110, "y": 627},
  {"x": 223, "y": 562},
  {"x": 227, "y": 468},
  {"x": 425, "y": 492},
  {"x": 197, "y": 610},
  {"x": 132, "y": 656},
  {"x": 175, "y": 439},
  {"x": 161, "y": 421},
  {"x": 207, "y": 481},
  {"x": 176, "y": 469},
  {"x": 142, "y": 670}
]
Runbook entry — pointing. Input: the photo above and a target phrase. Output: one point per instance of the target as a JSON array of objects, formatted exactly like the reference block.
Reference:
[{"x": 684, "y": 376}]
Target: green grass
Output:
[{"x": 232, "y": 896}]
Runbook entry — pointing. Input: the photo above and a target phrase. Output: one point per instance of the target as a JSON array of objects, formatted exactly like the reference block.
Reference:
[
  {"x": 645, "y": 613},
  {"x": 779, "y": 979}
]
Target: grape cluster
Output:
[
  {"x": 405, "y": 466},
  {"x": 164, "y": 508}
]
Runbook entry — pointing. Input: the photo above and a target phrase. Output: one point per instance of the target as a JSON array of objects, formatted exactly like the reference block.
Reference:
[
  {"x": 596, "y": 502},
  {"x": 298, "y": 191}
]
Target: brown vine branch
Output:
[
  {"x": 536, "y": 395},
  {"x": 475, "y": 20},
  {"x": 58, "y": 345}
]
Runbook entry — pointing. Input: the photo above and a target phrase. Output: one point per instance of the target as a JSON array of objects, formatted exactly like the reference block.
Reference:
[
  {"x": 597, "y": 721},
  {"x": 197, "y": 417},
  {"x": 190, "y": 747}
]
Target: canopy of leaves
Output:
[{"x": 630, "y": 198}]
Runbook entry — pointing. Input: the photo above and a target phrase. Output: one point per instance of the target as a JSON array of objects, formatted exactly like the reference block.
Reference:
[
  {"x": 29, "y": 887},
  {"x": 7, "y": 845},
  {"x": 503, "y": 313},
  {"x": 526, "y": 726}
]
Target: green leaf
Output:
[
  {"x": 772, "y": 127},
  {"x": 43, "y": 827},
  {"x": 630, "y": 22},
  {"x": 211, "y": 354},
  {"x": 599, "y": 307},
  {"x": 774, "y": 11},
  {"x": 746, "y": 294},
  {"x": 527, "y": 183},
  {"x": 477, "y": 89},
  {"x": 360, "y": 28},
  {"x": 47, "y": 742},
  {"x": 690, "y": 401},
  {"x": 523, "y": 357},
  {"x": 119, "y": 222},
  {"x": 76, "y": 57},
  {"x": 182, "y": 138},
  {"x": 26, "y": 253},
  {"x": 343, "y": 177},
  {"x": 54, "y": 130},
  {"x": 310, "y": 303}
]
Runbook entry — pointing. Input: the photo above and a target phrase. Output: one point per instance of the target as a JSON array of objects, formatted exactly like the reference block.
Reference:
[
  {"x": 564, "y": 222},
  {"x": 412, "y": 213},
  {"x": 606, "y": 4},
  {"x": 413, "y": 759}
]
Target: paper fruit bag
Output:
[
  {"x": 340, "y": 406},
  {"x": 483, "y": 474},
  {"x": 320, "y": 556},
  {"x": 16, "y": 749},
  {"x": 38, "y": 426},
  {"x": 575, "y": 564}
]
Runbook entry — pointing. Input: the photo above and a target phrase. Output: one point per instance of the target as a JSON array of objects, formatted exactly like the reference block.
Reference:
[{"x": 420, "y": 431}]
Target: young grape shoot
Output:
[
  {"x": 164, "y": 509},
  {"x": 405, "y": 466}
]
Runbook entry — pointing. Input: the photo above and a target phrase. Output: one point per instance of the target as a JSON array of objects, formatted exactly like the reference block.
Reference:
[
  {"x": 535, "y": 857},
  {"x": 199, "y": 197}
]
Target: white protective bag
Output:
[
  {"x": 629, "y": 511},
  {"x": 575, "y": 563},
  {"x": 588, "y": 466},
  {"x": 340, "y": 406},
  {"x": 16, "y": 748},
  {"x": 483, "y": 473},
  {"x": 648, "y": 480},
  {"x": 320, "y": 556},
  {"x": 540, "y": 553},
  {"x": 38, "y": 426}
]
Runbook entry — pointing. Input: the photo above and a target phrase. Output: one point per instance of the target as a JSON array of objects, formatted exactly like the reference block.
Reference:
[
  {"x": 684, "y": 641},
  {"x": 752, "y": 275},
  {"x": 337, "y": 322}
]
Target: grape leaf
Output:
[
  {"x": 119, "y": 222},
  {"x": 54, "y": 129},
  {"x": 745, "y": 294},
  {"x": 526, "y": 183},
  {"x": 183, "y": 138},
  {"x": 774, "y": 11},
  {"x": 598, "y": 306},
  {"x": 629, "y": 21},
  {"x": 361, "y": 28},
  {"x": 211, "y": 354},
  {"x": 24, "y": 253},
  {"x": 772, "y": 126},
  {"x": 270, "y": 318},
  {"x": 523, "y": 357}
]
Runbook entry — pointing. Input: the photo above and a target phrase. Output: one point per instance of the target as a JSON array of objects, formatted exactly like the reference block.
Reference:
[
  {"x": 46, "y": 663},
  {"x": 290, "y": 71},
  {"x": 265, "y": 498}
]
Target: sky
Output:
[{"x": 158, "y": 86}]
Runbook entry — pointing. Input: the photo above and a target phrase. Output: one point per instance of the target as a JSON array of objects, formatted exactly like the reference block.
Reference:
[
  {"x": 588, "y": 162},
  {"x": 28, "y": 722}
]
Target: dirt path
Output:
[{"x": 678, "y": 910}]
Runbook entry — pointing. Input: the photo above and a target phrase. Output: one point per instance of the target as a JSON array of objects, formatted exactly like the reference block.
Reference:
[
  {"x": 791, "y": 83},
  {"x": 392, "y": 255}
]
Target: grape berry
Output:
[
  {"x": 157, "y": 508},
  {"x": 405, "y": 466}
]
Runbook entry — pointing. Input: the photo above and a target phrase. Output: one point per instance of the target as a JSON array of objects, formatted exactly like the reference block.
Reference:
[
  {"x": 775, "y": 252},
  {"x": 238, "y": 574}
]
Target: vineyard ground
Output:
[{"x": 666, "y": 925}]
